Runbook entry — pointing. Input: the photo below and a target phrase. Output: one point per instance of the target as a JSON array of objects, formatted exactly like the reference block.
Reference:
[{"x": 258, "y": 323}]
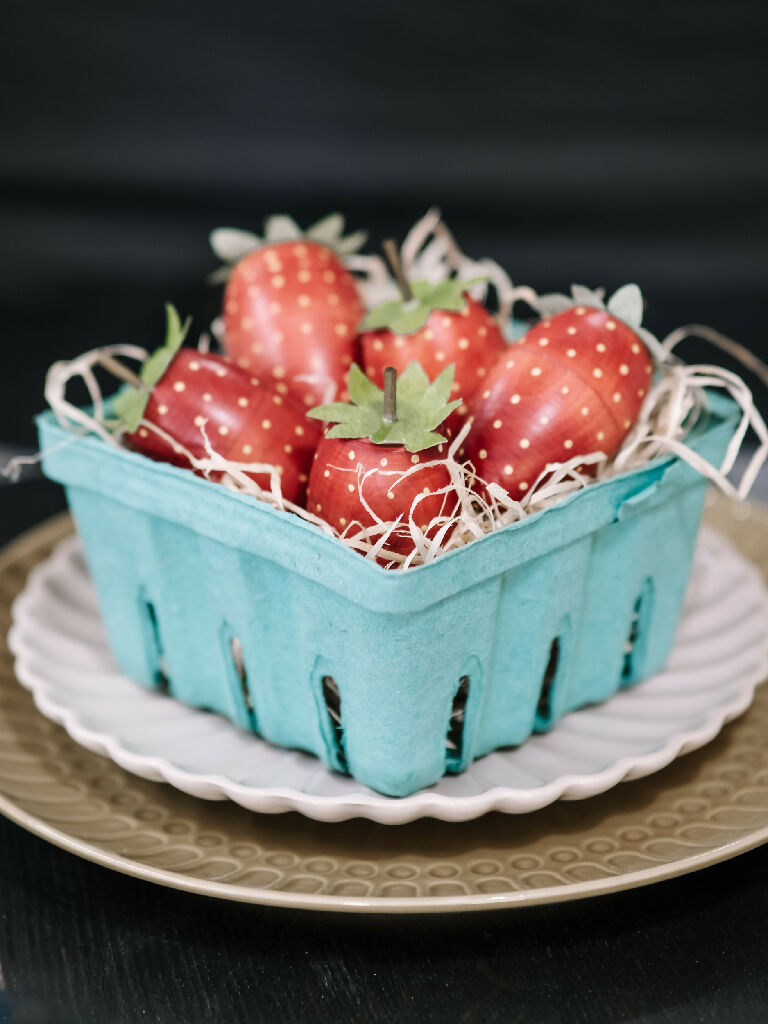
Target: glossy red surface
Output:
[
  {"x": 573, "y": 385},
  {"x": 204, "y": 395},
  {"x": 340, "y": 465},
  {"x": 291, "y": 313},
  {"x": 470, "y": 339}
]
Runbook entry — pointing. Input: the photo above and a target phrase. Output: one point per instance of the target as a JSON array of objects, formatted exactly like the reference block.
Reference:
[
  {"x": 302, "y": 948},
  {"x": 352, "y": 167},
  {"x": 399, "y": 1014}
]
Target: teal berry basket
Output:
[{"x": 393, "y": 677}]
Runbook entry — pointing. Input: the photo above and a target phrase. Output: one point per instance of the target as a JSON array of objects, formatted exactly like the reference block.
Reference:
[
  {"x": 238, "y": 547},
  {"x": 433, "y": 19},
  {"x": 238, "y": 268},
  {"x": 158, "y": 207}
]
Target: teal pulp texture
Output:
[{"x": 395, "y": 677}]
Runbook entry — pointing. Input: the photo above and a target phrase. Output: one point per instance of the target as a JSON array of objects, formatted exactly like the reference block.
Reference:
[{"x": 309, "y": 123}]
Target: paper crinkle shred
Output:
[{"x": 671, "y": 409}]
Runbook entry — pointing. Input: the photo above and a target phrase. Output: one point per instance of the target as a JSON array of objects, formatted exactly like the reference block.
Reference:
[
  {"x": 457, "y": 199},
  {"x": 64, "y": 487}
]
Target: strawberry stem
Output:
[
  {"x": 117, "y": 369},
  {"x": 390, "y": 395},
  {"x": 393, "y": 256}
]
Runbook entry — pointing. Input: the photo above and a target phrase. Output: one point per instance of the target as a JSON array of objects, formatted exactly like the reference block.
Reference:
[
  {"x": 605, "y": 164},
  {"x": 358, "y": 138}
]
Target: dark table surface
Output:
[{"x": 82, "y": 944}]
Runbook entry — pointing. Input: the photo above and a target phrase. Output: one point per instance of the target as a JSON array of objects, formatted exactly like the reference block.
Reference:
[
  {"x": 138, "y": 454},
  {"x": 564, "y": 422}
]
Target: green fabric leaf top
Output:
[
  {"x": 129, "y": 407},
  {"x": 404, "y": 316},
  {"x": 625, "y": 304},
  {"x": 421, "y": 406},
  {"x": 232, "y": 244},
  {"x": 175, "y": 333},
  {"x": 130, "y": 404}
]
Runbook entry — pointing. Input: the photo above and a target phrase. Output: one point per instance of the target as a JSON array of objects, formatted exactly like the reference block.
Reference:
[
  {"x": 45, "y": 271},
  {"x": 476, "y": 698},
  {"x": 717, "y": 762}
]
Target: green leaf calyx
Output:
[
  {"x": 130, "y": 404},
  {"x": 232, "y": 244},
  {"x": 404, "y": 316},
  {"x": 421, "y": 407}
]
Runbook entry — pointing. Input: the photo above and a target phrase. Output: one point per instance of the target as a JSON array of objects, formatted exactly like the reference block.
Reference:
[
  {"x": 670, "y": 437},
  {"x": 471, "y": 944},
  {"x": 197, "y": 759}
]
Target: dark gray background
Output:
[{"x": 600, "y": 143}]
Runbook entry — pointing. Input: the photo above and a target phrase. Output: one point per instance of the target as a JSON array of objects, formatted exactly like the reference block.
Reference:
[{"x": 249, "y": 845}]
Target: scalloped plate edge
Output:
[{"x": 276, "y": 800}]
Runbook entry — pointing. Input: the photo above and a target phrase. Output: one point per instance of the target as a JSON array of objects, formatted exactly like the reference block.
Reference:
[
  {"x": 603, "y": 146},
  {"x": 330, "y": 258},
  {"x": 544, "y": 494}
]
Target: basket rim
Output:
[{"x": 337, "y": 567}]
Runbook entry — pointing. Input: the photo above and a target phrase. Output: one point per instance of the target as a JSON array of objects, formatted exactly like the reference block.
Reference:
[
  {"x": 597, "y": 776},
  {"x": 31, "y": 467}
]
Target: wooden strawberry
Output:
[
  {"x": 434, "y": 324},
  {"x": 291, "y": 313},
  {"x": 573, "y": 385},
  {"x": 192, "y": 395},
  {"x": 379, "y": 437}
]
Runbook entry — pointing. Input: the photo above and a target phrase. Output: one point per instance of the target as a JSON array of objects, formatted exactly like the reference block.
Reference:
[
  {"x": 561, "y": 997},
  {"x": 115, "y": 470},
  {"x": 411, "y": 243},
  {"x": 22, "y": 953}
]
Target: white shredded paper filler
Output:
[
  {"x": 673, "y": 405},
  {"x": 671, "y": 409}
]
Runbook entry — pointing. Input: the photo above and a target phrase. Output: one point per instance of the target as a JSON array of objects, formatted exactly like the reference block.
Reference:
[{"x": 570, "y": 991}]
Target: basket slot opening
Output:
[
  {"x": 157, "y": 655},
  {"x": 629, "y": 646},
  {"x": 454, "y": 740},
  {"x": 634, "y": 646},
  {"x": 332, "y": 701},
  {"x": 238, "y": 664},
  {"x": 544, "y": 707}
]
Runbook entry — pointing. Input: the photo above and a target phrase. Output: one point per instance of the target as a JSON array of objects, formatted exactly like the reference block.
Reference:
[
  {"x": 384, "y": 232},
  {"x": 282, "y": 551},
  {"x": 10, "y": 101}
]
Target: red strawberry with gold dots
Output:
[
  {"x": 436, "y": 325},
  {"x": 291, "y": 313},
  {"x": 573, "y": 385},
  {"x": 470, "y": 339},
  {"x": 378, "y": 437},
  {"x": 191, "y": 395}
]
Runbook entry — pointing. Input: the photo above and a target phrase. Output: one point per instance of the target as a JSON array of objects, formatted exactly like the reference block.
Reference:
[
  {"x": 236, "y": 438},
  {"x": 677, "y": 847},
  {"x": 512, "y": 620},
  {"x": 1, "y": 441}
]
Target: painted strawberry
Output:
[
  {"x": 574, "y": 384},
  {"x": 291, "y": 313},
  {"x": 190, "y": 395},
  {"x": 436, "y": 325},
  {"x": 358, "y": 470}
]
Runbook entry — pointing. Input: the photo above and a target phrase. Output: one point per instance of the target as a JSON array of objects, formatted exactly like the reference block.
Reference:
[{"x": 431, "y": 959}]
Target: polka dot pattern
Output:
[
  {"x": 335, "y": 479},
  {"x": 202, "y": 398},
  {"x": 573, "y": 385},
  {"x": 471, "y": 340},
  {"x": 286, "y": 301}
]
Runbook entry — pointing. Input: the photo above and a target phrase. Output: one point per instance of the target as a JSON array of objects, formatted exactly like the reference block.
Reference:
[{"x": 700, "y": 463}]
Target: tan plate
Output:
[{"x": 704, "y": 808}]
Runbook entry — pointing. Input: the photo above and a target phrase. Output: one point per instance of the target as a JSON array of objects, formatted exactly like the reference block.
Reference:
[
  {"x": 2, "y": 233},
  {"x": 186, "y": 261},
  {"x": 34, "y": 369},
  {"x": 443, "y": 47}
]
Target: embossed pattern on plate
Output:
[
  {"x": 720, "y": 655},
  {"x": 704, "y": 808}
]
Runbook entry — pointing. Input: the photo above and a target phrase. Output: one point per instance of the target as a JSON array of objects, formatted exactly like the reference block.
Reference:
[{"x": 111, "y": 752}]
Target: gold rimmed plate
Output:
[{"x": 704, "y": 808}]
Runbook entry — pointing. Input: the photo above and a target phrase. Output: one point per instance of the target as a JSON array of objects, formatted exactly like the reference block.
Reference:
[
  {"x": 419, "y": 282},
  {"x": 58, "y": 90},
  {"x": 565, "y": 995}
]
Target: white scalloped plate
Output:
[{"x": 720, "y": 656}]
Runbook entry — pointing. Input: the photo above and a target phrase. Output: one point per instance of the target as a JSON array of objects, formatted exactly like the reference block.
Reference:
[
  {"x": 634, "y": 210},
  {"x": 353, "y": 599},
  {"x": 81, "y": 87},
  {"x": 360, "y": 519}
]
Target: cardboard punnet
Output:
[{"x": 518, "y": 628}]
